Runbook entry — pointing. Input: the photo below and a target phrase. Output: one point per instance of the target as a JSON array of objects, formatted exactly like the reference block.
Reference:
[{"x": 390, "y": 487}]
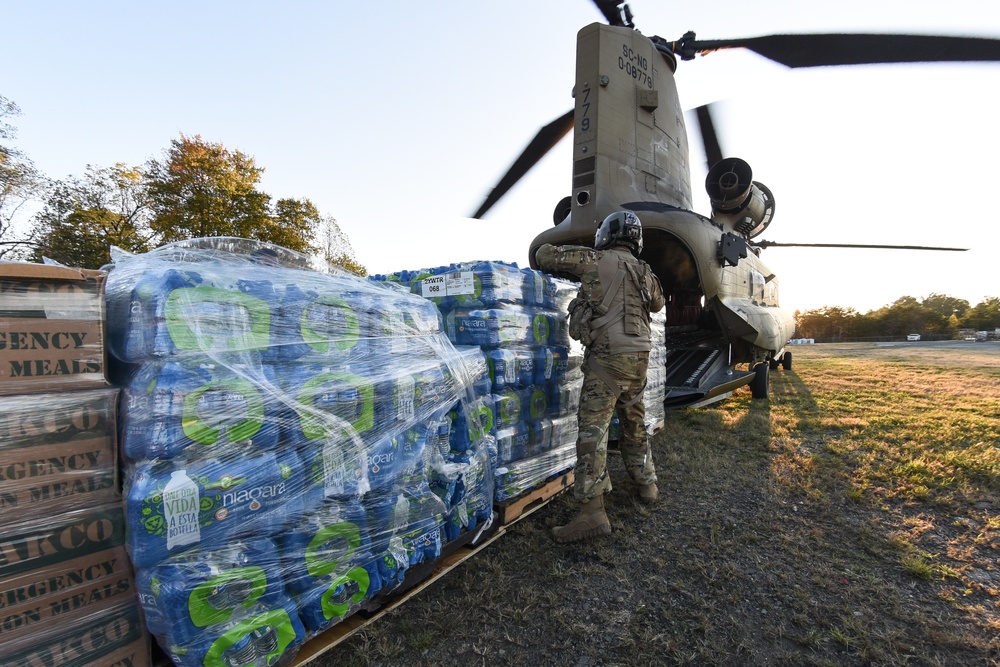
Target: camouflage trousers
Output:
[{"x": 598, "y": 402}]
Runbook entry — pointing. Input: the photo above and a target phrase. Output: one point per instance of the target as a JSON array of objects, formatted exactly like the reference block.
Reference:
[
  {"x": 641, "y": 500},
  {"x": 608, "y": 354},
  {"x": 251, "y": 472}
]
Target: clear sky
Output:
[{"x": 398, "y": 117}]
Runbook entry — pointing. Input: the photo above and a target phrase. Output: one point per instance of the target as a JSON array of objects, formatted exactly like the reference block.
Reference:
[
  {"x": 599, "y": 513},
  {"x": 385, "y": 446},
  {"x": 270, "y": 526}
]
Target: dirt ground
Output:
[{"x": 758, "y": 553}]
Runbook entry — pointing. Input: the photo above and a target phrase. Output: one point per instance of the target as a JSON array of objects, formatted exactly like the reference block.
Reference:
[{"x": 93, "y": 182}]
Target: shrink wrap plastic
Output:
[
  {"x": 287, "y": 429},
  {"x": 530, "y": 393}
]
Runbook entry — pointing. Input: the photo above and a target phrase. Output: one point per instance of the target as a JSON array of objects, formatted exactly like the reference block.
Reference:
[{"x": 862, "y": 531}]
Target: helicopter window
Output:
[{"x": 756, "y": 285}]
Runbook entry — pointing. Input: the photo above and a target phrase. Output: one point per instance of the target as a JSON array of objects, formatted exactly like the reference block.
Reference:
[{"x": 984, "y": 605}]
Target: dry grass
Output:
[{"x": 854, "y": 519}]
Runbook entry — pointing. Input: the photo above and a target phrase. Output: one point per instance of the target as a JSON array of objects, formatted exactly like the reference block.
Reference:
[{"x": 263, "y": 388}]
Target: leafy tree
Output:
[
  {"x": 203, "y": 189},
  {"x": 335, "y": 247},
  {"x": 906, "y": 315},
  {"x": 827, "y": 322},
  {"x": 19, "y": 180},
  {"x": 293, "y": 224},
  {"x": 83, "y": 217},
  {"x": 945, "y": 306},
  {"x": 984, "y": 316}
]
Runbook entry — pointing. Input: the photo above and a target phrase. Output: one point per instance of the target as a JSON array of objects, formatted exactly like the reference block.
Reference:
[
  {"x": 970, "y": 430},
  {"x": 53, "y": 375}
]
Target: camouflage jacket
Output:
[{"x": 640, "y": 292}]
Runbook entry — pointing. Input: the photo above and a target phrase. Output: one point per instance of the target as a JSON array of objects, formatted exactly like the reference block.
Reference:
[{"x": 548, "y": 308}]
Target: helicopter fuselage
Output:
[{"x": 630, "y": 151}]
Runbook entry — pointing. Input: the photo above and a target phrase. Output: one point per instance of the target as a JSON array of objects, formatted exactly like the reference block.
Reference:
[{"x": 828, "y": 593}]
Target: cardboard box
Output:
[
  {"x": 51, "y": 328},
  {"x": 111, "y": 637},
  {"x": 45, "y": 547},
  {"x": 66, "y": 600},
  {"x": 58, "y": 452},
  {"x": 67, "y": 592},
  {"x": 26, "y": 589}
]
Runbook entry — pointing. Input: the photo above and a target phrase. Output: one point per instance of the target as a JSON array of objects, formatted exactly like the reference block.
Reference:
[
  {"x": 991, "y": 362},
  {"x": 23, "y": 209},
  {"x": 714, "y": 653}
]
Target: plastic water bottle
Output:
[
  {"x": 322, "y": 543},
  {"x": 169, "y": 407},
  {"x": 326, "y": 324},
  {"x": 271, "y": 637},
  {"x": 187, "y": 595},
  {"x": 512, "y": 443},
  {"x": 329, "y": 401},
  {"x": 439, "y": 431},
  {"x": 329, "y": 601},
  {"x": 177, "y": 505},
  {"x": 489, "y": 328}
]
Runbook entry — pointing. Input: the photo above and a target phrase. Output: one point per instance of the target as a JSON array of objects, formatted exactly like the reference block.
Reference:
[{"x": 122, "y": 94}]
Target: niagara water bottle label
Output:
[
  {"x": 395, "y": 328},
  {"x": 405, "y": 390},
  {"x": 462, "y": 282},
  {"x": 333, "y": 468},
  {"x": 180, "y": 510},
  {"x": 400, "y": 515},
  {"x": 510, "y": 372},
  {"x": 216, "y": 408}
]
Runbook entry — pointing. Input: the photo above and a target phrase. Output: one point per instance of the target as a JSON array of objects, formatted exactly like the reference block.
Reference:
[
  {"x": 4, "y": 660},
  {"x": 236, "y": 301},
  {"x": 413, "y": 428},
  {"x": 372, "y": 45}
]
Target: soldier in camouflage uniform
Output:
[{"x": 611, "y": 317}]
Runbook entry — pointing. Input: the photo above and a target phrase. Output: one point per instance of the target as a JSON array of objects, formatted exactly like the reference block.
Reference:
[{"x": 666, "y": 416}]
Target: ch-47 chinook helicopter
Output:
[{"x": 630, "y": 151}]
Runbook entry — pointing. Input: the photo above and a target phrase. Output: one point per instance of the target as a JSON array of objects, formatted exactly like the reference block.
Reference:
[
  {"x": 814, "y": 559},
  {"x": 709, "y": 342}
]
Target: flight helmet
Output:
[{"x": 621, "y": 228}]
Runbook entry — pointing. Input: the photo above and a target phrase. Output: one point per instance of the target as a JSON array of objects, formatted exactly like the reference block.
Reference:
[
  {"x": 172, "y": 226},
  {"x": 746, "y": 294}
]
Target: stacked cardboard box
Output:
[{"x": 67, "y": 592}]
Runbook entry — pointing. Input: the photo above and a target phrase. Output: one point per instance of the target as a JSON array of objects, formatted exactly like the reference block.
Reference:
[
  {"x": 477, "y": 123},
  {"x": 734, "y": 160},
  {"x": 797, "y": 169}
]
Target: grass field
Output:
[{"x": 853, "y": 519}]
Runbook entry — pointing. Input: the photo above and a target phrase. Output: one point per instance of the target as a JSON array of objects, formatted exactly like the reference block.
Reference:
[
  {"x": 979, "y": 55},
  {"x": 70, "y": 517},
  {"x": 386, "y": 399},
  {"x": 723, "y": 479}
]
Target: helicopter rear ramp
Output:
[{"x": 696, "y": 375}]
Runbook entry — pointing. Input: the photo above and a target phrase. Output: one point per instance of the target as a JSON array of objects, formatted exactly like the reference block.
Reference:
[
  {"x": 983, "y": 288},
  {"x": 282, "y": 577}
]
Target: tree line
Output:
[
  {"x": 935, "y": 316},
  {"x": 197, "y": 188}
]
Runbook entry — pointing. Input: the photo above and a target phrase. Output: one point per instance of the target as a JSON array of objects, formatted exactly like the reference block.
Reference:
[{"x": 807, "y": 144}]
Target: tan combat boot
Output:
[
  {"x": 648, "y": 493},
  {"x": 590, "y": 522}
]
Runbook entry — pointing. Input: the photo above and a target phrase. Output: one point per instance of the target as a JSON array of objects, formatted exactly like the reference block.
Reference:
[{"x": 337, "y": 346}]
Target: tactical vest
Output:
[{"x": 618, "y": 316}]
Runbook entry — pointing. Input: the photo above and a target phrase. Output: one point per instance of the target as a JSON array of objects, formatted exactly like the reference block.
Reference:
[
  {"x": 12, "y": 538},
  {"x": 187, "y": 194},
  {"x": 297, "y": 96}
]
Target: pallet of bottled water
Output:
[
  {"x": 530, "y": 396},
  {"x": 296, "y": 439}
]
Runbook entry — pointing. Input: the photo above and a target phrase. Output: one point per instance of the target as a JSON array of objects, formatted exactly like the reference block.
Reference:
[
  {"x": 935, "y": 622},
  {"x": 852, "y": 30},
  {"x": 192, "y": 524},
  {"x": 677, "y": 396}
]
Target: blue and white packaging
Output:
[
  {"x": 511, "y": 367},
  {"x": 175, "y": 505},
  {"x": 202, "y": 309},
  {"x": 171, "y": 406},
  {"x": 270, "y": 637},
  {"x": 513, "y": 442},
  {"x": 186, "y": 596}
]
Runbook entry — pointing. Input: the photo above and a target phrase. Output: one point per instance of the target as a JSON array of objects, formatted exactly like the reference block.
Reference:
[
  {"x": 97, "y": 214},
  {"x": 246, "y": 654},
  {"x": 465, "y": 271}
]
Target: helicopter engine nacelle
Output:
[{"x": 738, "y": 201}]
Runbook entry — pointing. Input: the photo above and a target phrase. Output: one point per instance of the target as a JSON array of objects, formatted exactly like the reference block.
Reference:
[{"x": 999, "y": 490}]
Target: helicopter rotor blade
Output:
[
  {"x": 709, "y": 137},
  {"x": 543, "y": 142},
  {"x": 616, "y": 13},
  {"x": 772, "y": 244},
  {"x": 819, "y": 50}
]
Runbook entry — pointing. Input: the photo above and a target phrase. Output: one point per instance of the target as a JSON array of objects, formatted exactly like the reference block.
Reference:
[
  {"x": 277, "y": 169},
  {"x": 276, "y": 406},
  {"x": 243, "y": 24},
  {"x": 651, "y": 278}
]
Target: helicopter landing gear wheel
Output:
[
  {"x": 786, "y": 361},
  {"x": 759, "y": 385},
  {"x": 773, "y": 364}
]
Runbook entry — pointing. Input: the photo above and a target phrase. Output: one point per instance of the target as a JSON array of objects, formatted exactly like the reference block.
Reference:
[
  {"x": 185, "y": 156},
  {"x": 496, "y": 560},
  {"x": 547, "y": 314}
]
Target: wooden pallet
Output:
[
  {"x": 517, "y": 508},
  {"x": 417, "y": 579}
]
